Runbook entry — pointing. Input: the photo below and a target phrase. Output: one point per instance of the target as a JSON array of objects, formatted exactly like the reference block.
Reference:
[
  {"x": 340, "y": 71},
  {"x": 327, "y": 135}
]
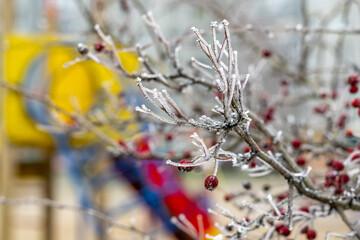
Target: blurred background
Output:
[{"x": 39, "y": 36}]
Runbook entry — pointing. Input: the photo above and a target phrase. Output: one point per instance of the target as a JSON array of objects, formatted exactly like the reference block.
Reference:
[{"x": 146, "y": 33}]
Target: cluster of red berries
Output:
[
  {"x": 356, "y": 104},
  {"x": 282, "y": 229},
  {"x": 334, "y": 178},
  {"x": 310, "y": 233},
  {"x": 353, "y": 81}
]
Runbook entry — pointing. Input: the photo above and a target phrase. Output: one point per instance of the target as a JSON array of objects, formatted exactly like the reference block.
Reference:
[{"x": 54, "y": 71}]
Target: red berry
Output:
[
  {"x": 123, "y": 144},
  {"x": 282, "y": 212},
  {"x": 323, "y": 95},
  {"x": 187, "y": 153},
  {"x": 266, "y": 53},
  {"x": 296, "y": 143},
  {"x": 279, "y": 226},
  {"x": 252, "y": 163},
  {"x": 169, "y": 137},
  {"x": 344, "y": 178},
  {"x": 328, "y": 184},
  {"x": 284, "y": 82},
  {"x": 337, "y": 165},
  {"x": 330, "y": 176},
  {"x": 353, "y": 79},
  {"x": 348, "y": 133},
  {"x": 300, "y": 161},
  {"x": 285, "y": 231},
  {"x": 282, "y": 196},
  {"x": 305, "y": 229},
  {"x": 246, "y": 149},
  {"x": 355, "y": 157},
  {"x": 338, "y": 191},
  {"x": 228, "y": 197},
  {"x": 185, "y": 169},
  {"x": 329, "y": 162},
  {"x": 343, "y": 116},
  {"x": 311, "y": 234},
  {"x": 142, "y": 146},
  {"x": 355, "y": 103},
  {"x": 305, "y": 209},
  {"x": 321, "y": 109},
  {"x": 334, "y": 94},
  {"x": 99, "y": 46},
  {"x": 211, "y": 182},
  {"x": 353, "y": 89}
]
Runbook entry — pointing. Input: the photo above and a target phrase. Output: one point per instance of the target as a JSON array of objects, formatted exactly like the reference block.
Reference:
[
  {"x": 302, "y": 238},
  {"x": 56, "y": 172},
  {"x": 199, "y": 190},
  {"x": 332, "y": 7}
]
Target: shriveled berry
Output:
[
  {"x": 300, "y": 161},
  {"x": 185, "y": 169},
  {"x": 211, "y": 182},
  {"x": 353, "y": 89},
  {"x": 311, "y": 234},
  {"x": 337, "y": 165},
  {"x": 99, "y": 46},
  {"x": 296, "y": 143}
]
